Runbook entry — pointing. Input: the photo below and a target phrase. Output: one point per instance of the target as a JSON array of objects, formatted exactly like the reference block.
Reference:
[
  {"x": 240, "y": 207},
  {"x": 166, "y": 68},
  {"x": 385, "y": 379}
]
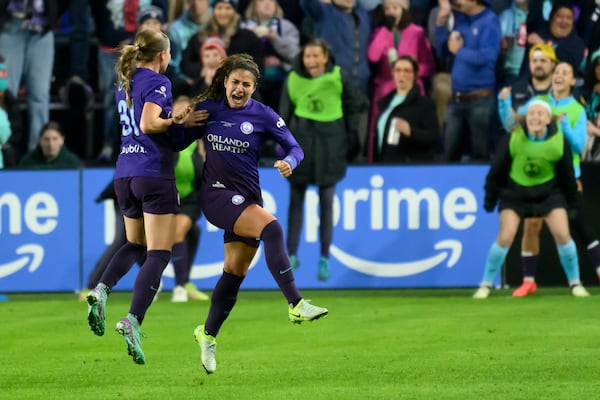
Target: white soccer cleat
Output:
[
  {"x": 304, "y": 311},
  {"x": 483, "y": 292},
  {"x": 579, "y": 291},
  {"x": 208, "y": 349},
  {"x": 180, "y": 295}
]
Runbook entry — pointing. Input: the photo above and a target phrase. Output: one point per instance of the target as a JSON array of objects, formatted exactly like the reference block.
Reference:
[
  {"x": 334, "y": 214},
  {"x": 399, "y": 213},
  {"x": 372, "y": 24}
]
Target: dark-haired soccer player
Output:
[{"x": 231, "y": 197}]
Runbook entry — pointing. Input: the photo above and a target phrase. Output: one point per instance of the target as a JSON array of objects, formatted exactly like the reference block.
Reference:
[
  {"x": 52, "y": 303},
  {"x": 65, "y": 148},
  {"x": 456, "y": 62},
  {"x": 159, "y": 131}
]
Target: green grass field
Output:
[{"x": 385, "y": 344}]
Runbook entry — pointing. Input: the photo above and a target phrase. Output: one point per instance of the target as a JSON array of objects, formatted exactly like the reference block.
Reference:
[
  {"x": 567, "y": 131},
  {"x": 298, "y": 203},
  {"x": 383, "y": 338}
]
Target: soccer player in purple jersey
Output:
[
  {"x": 231, "y": 198},
  {"x": 144, "y": 183}
]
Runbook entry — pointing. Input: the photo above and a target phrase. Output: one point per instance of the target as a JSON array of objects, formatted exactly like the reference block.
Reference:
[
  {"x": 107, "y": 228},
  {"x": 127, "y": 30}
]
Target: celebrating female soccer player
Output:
[
  {"x": 532, "y": 176},
  {"x": 144, "y": 183},
  {"x": 231, "y": 197}
]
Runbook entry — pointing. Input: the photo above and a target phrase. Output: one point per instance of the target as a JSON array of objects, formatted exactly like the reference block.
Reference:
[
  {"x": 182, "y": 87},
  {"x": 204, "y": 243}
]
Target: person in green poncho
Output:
[
  {"x": 322, "y": 106},
  {"x": 531, "y": 176}
]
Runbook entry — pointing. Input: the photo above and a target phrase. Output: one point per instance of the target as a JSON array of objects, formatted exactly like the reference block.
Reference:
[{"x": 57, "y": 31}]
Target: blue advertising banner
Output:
[
  {"x": 396, "y": 226},
  {"x": 39, "y": 231}
]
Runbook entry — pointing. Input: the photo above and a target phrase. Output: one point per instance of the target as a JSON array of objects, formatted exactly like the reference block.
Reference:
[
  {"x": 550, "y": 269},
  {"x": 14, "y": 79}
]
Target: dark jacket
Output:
[
  {"x": 326, "y": 145},
  {"x": 35, "y": 160},
  {"x": 421, "y": 146}
]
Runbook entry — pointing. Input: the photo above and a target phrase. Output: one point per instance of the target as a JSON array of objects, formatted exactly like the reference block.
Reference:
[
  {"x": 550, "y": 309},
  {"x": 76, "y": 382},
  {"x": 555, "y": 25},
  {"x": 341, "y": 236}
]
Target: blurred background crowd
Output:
[{"x": 427, "y": 72}]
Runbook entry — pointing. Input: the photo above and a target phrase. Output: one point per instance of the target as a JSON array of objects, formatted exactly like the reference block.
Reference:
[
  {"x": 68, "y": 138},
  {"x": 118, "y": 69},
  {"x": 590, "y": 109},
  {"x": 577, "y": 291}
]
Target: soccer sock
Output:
[
  {"x": 222, "y": 301},
  {"x": 121, "y": 263},
  {"x": 295, "y": 216},
  {"x": 180, "y": 263},
  {"x": 567, "y": 253},
  {"x": 279, "y": 263},
  {"x": 147, "y": 282},
  {"x": 529, "y": 262},
  {"x": 326, "y": 220},
  {"x": 493, "y": 263}
]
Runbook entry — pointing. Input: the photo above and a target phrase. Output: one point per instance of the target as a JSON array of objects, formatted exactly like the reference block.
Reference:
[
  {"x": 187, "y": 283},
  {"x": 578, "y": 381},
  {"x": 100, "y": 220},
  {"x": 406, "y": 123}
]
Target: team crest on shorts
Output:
[
  {"x": 237, "y": 199},
  {"x": 247, "y": 128}
]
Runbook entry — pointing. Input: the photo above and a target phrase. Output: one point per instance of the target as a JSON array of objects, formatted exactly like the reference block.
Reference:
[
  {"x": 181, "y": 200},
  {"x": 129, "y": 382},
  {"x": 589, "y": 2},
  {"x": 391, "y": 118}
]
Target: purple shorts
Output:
[
  {"x": 142, "y": 194},
  {"x": 222, "y": 208}
]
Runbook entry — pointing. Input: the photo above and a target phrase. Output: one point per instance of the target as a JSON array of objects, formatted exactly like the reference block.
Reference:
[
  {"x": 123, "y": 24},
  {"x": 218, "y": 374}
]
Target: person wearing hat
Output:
[
  {"x": 560, "y": 33},
  {"x": 150, "y": 17},
  {"x": 531, "y": 176},
  {"x": 541, "y": 63}
]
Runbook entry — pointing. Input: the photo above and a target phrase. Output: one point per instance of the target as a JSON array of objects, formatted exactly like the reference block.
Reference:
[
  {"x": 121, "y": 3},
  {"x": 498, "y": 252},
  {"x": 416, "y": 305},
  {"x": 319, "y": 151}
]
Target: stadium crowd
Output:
[{"x": 58, "y": 64}]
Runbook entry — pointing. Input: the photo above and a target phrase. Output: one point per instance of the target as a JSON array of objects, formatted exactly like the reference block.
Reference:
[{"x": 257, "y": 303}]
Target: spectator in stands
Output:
[
  {"x": 531, "y": 175},
  {"x": 191, "y": 21},
  {"x": 321, "y": 105},
  {"x": 225, "y": 25},
  {"x": 398, "y": 36},
  {"x": 26, "y": 35},
  {"x": 540, "y": 10},
  {"x": 212, "y": 54},
  {"x": 116, "y": 24},
  {"x": 574, "y": 126},
  {"x": 561, "y": 34},
  {"x": 5, "y": 129},
  {"x": 77, "y": 93},
  {"x": 404, "y": 134},
  {"x": 473, "y": 39},
  {"x": 51, "y": 152},
  {"x": 592, "y": 108},
  {"x": 336, "y": 21},
  {"x": 10, "y": 149},
  {"x": 513, "y": 23},
  {"x": 281, "y": 43},
  {"x": 542, "y": 61},
  {"x": 346, "y": 28}
]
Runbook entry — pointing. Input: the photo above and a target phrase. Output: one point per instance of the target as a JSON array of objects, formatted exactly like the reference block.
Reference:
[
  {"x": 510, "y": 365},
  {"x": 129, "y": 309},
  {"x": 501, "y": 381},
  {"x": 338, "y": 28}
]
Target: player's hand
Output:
[
  {"x": 283, "y": 167},
  {"x": 196, "y": 118}
]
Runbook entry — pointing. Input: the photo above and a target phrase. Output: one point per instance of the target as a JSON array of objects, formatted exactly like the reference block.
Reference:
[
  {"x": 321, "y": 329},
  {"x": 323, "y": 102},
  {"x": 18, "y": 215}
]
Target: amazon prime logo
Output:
[{"x": 39, "y": 216}]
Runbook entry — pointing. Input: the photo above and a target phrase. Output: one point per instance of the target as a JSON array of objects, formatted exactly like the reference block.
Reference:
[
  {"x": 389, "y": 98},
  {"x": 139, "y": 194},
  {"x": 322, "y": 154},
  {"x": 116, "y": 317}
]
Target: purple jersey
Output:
[
  {"x": 233, "y": 139},
  {"x": 142, "y": 154}
]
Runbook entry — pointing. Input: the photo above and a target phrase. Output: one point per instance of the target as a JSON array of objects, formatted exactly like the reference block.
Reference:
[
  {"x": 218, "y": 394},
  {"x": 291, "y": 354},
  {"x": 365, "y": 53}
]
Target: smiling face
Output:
[
  {"x": 563, "y": 79},
  {"x": 223, "y": 14},
  {"x": 240, "y": 84},
  {"x": 314, "y": 59},
  {"x": 561, "y": 23},
  {"x": 537, "y": 119}
]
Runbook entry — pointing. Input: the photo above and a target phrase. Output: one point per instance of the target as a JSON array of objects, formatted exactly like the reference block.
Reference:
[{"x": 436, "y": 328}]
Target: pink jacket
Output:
[{"x": 413, "y": 42}]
